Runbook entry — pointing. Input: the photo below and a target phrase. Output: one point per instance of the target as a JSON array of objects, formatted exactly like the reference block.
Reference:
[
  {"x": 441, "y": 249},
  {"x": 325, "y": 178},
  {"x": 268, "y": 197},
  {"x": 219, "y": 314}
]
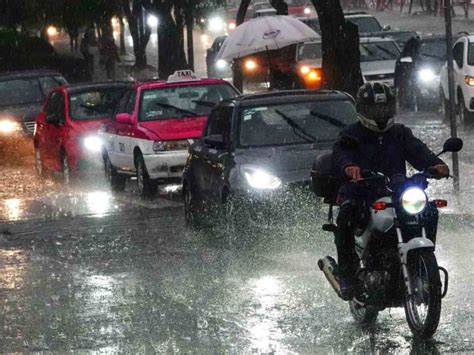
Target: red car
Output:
[
  {"x": 154, "y": 125},
  {"x": 65, "y": 137}
]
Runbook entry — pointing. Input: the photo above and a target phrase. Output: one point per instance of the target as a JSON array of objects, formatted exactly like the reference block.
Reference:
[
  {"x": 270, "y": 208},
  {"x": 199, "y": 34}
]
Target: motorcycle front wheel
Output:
[{"x": 423, "y": 307}]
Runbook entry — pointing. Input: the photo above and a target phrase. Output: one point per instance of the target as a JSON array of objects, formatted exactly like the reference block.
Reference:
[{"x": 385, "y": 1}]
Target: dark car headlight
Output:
[
  {"x": 9, "y": 126},
  {"x": 260, "y": 179}
]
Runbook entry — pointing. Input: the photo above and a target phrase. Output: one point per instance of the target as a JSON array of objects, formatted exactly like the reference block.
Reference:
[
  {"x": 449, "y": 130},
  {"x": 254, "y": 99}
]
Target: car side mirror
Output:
[
  {"x": 123, "y": 118},
  {"x": 215, "y": 141},
  {"x": 387, "y": 28},
  {"x": 452, "y": 145},
  {"x": 406, "y": 60},
  {"x": 53, "y": 119}
]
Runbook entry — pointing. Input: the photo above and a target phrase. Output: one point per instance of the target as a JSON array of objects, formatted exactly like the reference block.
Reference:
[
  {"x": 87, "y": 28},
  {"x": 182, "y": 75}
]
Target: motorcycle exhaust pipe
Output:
[{"x": 329, "y": 267}]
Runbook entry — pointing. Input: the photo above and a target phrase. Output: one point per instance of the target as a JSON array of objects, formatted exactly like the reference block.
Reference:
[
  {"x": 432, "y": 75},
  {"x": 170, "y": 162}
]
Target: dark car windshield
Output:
[
  {"x": 182, "y": 101},
  {"x": 20, "y": 92},
  {"x": 433, "y": 49},
  {"x": 94, "y": 104},
  {"x": 373, "y": 51},
  {"x": 294, "y": 123},
  {"x": 309, "y": 51},
  {"x": 313, "y": 23},
  {"x": 366, "y": 24}
]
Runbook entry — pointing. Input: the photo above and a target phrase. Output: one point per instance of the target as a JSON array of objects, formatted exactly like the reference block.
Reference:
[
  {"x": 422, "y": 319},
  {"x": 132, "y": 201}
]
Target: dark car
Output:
[
  {"x": 217, "y": 68},
  {"x": 21, "y": 95},
  {"x": 19, "y": 52},
  {"x": 255, "y": 147}
]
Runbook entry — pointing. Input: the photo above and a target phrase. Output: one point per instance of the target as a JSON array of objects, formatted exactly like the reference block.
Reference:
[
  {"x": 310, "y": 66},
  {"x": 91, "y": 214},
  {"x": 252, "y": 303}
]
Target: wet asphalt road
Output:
[{"x": 82, "y": 269}]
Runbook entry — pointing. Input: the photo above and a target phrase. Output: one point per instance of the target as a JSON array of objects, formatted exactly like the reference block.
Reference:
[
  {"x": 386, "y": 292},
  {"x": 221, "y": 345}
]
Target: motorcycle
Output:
[{"x": 395, "y": 245}]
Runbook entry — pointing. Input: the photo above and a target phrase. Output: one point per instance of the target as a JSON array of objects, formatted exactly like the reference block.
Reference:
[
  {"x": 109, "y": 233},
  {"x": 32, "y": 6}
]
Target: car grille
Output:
[
  {"x": 30, "y": 126},
  {"x": 379, "y": 77}
]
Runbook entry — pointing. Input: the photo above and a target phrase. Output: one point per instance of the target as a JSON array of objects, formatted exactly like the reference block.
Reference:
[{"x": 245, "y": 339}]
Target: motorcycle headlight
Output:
[
  {"x": 260, "y": 179},
  {"x": 427, "y": 75},
  {"x": 9, "y": 126},
  {"x": 93, "y": 144},
  {"x": 413, "y": 200}
]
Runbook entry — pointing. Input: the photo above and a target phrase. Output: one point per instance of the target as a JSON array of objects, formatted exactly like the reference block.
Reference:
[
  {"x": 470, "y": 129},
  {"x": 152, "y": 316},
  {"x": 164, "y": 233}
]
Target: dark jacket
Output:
[{"x": 385, "y": 152}]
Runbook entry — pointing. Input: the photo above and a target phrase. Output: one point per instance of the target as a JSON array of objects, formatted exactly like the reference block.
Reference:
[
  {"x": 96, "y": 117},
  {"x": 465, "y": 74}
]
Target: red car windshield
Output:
[
  {"x": 182, "y": 101},
  {"x": 94, "y": 104}
]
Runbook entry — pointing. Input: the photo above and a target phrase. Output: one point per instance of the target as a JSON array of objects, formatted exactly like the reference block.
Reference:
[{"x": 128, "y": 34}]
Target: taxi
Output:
[
  {"x": 153, "y": 127},
  {"x": 65, "y": 135}
]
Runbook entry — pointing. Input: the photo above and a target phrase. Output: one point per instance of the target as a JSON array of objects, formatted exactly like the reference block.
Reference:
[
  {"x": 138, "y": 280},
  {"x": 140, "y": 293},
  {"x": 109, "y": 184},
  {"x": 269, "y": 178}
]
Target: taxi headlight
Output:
[
  {"x": 413, "y": 200},
  {"x": 93, "y": 144},
  {"x": 305, "y": 69},
  {"x": 427, "y": 75},
  {"x": 8, "y": 126},
  {"x": 260, "y": 179},
  {"x": 161, "y": 146}
]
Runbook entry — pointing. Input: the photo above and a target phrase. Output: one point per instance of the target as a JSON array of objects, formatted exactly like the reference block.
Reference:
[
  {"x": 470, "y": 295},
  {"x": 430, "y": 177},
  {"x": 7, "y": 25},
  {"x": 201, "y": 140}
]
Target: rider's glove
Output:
[
  {"x": 353, "y": 172},
  {"x": 440, "y": 171}
]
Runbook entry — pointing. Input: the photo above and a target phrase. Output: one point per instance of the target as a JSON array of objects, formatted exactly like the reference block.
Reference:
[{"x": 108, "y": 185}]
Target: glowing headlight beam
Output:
[
  {"x": 216, "y": 24},
  {"x": 413, "y": 200},
  {"x": 221, "y": 64},
  {"x": 260, "y": 179},
  {"x": 8, "y": 126},
  {"x": 426, "y": 75}
]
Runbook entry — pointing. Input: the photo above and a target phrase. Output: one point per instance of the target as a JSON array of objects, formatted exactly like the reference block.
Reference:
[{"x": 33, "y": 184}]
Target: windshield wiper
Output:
[
  {"x": 332, "y": 120},
  {"x": 189, "y": 113},
  {"x": 205, "y": 103},
  {"x": 297, "y": 128}
]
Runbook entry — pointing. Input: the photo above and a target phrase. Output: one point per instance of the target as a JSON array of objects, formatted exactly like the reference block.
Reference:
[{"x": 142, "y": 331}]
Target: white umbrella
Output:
[{"x": 265, "y": 33}]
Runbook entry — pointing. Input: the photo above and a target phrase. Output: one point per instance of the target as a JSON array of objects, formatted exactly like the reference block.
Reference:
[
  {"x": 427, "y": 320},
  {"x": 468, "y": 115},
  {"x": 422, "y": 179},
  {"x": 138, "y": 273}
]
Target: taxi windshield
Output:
[
  {"x": 94, "y": 104},
  {"x": 182, "y": 101},
  {"x": 294, "y": 123}
]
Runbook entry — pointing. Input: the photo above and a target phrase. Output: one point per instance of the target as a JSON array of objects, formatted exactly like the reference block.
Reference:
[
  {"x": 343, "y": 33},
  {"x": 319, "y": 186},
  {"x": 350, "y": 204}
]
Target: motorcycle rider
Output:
[{"x": 377, "y": 144}]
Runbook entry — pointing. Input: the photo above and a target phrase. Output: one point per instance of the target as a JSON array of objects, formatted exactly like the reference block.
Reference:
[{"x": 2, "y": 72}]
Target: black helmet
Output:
[{"x": 376, "y": 106}]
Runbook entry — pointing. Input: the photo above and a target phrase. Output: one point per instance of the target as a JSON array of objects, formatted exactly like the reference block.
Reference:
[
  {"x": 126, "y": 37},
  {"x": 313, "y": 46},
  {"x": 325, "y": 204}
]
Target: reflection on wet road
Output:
[{"x": 82, "y": 269}]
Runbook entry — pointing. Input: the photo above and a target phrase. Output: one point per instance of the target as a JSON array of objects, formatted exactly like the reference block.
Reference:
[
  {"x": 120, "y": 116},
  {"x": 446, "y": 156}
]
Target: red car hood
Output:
[
  {"x": 88, "y": 126},
  {"x": 179, "y": 128}
]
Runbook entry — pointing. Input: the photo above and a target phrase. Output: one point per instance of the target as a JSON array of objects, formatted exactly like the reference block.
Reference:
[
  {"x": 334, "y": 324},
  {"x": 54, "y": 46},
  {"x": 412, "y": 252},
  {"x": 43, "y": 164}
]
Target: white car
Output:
[
  {"x": 377, "y": 59},
  {"x": 463, "y": 63}
]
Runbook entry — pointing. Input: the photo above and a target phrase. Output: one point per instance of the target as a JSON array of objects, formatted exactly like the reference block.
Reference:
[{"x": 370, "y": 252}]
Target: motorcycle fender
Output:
[
  {"x": 382, "y": 221},
  {"x": 415, "y": 243}
]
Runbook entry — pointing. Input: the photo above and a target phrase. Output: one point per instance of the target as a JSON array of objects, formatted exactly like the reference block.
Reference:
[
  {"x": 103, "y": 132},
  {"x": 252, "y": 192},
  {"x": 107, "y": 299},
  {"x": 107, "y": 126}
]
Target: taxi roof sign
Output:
[{"x": 183, "y": 75}]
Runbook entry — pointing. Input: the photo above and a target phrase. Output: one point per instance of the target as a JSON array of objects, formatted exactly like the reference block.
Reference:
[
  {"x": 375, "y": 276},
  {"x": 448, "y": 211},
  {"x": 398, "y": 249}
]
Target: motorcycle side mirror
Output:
[
  {"x": 350, "y": 142},
  {"x": 452, "y": 145}
]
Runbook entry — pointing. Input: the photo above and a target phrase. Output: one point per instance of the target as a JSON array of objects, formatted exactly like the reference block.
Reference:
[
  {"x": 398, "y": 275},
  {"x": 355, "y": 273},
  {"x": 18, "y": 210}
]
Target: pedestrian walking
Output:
[
  {"x": 87, "y": 43},
  {"x": 73, "y": 39},
  {"x": 109, "y": 55}
]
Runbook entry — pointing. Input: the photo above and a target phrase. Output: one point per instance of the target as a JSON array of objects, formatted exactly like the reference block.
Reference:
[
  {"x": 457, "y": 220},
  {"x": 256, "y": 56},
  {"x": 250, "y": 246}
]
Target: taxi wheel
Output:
[
  {"x": 117, "y": 181},
  {"x": 39, "y": 166},
  {"x": 146, "y": 186},
  {"x": 65, "y": 169}
]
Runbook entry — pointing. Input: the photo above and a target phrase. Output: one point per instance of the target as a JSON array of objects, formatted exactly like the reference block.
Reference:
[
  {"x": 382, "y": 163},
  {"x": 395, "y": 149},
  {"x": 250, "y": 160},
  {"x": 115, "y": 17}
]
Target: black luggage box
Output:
[{"x": 324, "y": 181}]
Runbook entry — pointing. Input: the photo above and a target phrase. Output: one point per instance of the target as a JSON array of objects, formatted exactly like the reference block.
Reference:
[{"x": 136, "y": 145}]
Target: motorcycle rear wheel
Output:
[{"x": 423, "y": 308}]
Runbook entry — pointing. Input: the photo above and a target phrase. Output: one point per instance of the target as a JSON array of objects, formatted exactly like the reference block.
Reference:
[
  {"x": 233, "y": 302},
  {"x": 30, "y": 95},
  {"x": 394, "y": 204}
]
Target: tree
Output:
[
  {"x": 136, "y": 13},
  {"x": 340, "y": 46}
]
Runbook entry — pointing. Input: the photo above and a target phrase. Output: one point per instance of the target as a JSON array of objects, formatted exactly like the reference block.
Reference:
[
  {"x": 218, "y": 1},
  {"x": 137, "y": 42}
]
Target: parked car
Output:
[
  {"x": 19, "y": 52},
  {"x": 217, "y": 68},
  {"x": 309, "y": 64},
  {"x": 463, "y": 63},
  {"x": 366, "y": 23},
  {"x": 22, "y": 94},
  {"x": 377, "y": 59},
  {"x": 66, "y": 139},
  {"x": 417, "y": 72},
  {"x": 154, "y": 123},
  {"x": 257, "y": 147},
  {"x": 401, "y": 37}
]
